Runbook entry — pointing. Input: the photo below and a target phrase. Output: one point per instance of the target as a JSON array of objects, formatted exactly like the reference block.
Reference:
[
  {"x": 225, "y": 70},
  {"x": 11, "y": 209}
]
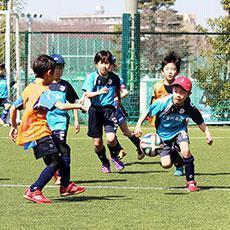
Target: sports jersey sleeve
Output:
[
  {"x": 195, "y": 114},
  {"x": 46, "y": 101},
  {"x": 89, "y": 84},
  {"x": 18, "y": 104},
  {"x": 155, "y": 108},
  {"x": 71, "y": 95}
]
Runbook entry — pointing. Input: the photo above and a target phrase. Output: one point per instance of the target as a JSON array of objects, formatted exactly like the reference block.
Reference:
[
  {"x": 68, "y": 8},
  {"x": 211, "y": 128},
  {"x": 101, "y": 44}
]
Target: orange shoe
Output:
[
  {"x": 36, "y": 196},
  {"x": 72, "y": 189}
]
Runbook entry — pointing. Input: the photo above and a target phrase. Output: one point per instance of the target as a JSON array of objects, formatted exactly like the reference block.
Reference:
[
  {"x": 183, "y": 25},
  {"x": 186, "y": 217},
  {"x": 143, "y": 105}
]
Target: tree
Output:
[
  {"x": 213, "y": 76},
  {"x": 157, "y": 16}
]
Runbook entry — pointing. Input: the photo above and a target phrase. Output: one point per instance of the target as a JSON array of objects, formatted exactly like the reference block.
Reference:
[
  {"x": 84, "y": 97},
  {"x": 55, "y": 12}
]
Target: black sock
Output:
[
  {"x": 102, "y": 156},
  {"x": 135, "y": 140},
  {"x": 176, "y": 159},
  {"x": 114, "y": 150},
  {"x": 189, "y": 168}
]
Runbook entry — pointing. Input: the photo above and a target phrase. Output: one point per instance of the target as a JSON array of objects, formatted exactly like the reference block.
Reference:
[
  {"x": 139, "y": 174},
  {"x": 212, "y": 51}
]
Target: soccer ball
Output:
[{"x": 151, "y": 144}]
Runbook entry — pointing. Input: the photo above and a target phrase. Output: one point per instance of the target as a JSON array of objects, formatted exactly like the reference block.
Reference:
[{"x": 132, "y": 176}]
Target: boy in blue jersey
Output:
[
  {"x": 171, "y": 113},
  {"x": 3, "y": 95},
  {"x": 58, "y": 120},
  {"x": 102, "y": 87}
]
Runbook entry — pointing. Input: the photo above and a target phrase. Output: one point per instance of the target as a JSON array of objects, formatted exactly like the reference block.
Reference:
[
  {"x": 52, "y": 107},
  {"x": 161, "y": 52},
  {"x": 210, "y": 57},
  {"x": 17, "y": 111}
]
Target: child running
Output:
[
  {"x": 171, "y": 113},
  {"x": 33, "y": 132},
  {"x": 170, "y": 67},
  {"x": 102, "y": 87}
]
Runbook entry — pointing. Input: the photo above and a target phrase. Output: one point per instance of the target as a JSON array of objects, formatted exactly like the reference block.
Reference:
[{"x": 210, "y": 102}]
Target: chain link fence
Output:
[{"x": 79, "y": 48}]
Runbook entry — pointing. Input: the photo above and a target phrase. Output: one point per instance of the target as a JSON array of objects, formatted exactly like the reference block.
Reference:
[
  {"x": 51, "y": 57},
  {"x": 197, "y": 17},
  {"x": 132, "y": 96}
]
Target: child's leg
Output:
[
  {"x": 100, "y": 150},
  {"x": 113, "y": 144},
  {"x": 5, "y": 112},
  {"x": 188, "y": 160},
  {"x": 165, "y": 155},
  {"x": 48, "y": 172}
]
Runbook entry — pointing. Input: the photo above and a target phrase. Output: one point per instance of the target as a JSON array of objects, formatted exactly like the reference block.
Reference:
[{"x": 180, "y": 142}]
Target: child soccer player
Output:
[
  {"x": 101, "y": 88},
  {"x": 170, "y": 67},
  {"x": 171, "y": 114},
  {"x": 33, "y": 132},
  {"x": 3, "y": 95},
  {"x": 58, "y": 120}
]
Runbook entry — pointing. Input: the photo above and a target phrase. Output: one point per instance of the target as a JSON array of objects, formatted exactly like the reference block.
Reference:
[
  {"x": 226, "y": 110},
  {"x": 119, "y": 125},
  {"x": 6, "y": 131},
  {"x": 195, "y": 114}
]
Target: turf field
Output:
[{"x": 143, "y": 196}]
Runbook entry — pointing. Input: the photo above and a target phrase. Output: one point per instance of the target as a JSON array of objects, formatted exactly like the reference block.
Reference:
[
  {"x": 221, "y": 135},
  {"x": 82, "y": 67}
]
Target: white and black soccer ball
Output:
[{"x": 151, "y": 144}]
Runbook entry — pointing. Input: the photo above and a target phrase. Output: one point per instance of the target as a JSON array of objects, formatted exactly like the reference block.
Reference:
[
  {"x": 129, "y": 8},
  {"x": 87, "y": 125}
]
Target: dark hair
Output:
[
  {"x": 2, "y": 65},
  {"x": 172, "y": 57},
  {"x": 42, "y": 64},
  {"x": 103, "y": 56}
]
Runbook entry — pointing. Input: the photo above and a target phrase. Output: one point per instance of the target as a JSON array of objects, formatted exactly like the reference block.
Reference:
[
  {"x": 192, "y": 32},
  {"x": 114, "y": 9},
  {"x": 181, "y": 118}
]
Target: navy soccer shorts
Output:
[
  {"x": 171, "y": 145},
  {"x": 100, "y": 117}
]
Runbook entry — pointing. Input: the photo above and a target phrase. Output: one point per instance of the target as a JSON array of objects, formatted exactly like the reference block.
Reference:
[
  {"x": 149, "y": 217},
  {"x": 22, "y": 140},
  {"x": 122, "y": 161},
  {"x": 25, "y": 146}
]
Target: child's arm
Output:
[
  {"x": 13, "y": 120},
  {"x": 82, "y": 99},
  {"x": 138, "y": 130},
  {"x": 204, "y": 128},
  {"x": 97, "y": 93},
  {"x": 76, "y": 121},
  {"x": 69, "y": 106}
]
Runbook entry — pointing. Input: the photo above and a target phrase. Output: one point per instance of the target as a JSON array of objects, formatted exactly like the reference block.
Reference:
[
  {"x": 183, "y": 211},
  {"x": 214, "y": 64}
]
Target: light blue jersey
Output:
[
  {"x": 171, "y": 119},
  {"x": 94, "y": 82},
  {"x": 3, "y": 87}
]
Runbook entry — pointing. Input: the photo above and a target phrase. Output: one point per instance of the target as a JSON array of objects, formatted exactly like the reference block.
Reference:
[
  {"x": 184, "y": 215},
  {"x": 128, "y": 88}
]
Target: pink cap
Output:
[{"x": 184, "y": 82}]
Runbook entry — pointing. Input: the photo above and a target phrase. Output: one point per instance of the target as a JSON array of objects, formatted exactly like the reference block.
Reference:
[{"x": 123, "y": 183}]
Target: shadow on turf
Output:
[
  {"x": 141, "y": 163},
  {"x": 99, "y": 181},
  {"x": 88, "y": 198},
  {"x": 212, "y": 174},
  {"x": 141, "y": 172},
  {"x": 176, "y": 193},
  {"x": 5, "y": 178}
]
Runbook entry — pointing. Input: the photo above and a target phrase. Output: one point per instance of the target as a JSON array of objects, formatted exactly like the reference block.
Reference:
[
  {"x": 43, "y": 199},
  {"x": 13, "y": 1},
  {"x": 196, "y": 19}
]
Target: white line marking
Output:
[
  {"x": 125, "y": 138},
  {"x": 124, "y": 187}
]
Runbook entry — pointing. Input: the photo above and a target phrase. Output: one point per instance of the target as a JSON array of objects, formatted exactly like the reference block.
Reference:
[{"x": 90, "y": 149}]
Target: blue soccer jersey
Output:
[
  {"x": 171, "y": 119},
  {"x": 94, "y": 82},
  {"x": 59, "y": 92},
  {"x": 3, "y": 87}
]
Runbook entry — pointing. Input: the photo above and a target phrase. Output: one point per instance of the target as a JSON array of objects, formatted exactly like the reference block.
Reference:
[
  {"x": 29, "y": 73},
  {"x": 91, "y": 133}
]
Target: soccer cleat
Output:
[
  {"x": 121, "y": 154},
  {"x": 72, "y": 189},
  {"x": 105, "y": 168},
  {"x": 191, "y": 186},
  {"x": 140, "y": 154},
  {"x": 119, "y": 165},
  {"x": 36, "y": 196},
  {"x": 178, "y": 171}
]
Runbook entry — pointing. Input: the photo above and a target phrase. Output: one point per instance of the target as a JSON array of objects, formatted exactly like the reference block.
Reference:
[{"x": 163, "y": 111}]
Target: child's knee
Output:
[{"x": 166, "y": 162}]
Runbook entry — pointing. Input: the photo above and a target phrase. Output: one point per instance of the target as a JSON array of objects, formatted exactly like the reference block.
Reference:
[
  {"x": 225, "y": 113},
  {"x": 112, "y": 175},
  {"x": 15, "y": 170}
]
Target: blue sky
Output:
[{"x": 51, "y": 9}]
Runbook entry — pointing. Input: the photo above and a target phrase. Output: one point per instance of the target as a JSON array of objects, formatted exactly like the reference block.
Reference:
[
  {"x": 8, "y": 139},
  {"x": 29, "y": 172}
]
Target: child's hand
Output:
[
  {"x": 83, "y": 108},
  {"x": 77, "y": 127},
  {"x": 209, "y": 139},
  {"x": 13, "y": 134},
  {"x": 103, "y": 90},
  {"x": 137, "y": 132}
]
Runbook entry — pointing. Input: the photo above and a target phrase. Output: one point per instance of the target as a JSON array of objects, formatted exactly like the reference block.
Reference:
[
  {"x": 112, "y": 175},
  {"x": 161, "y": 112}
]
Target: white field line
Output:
[
  {"x": 125, "y": 138},
  {"x": 121, "y": 187}
]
